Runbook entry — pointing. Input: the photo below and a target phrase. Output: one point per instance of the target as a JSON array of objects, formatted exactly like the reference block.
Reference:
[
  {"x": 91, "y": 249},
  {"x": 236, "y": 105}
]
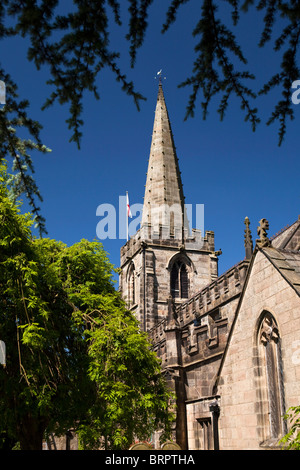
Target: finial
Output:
[
  {"x": 248, "y": 239},
  {"x": 262, "y": 233},
  {"x": 159, "y": 75}
]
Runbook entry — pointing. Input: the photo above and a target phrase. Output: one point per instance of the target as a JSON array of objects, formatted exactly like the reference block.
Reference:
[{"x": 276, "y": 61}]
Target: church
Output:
[{"x": 229, "y": 344}]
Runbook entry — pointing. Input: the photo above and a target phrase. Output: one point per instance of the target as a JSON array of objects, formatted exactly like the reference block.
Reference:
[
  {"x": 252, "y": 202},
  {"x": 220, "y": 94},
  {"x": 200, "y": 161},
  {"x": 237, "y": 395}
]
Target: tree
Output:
[
  {"x": 291, "y": 441},
  {"x": 75, "y": 357}
]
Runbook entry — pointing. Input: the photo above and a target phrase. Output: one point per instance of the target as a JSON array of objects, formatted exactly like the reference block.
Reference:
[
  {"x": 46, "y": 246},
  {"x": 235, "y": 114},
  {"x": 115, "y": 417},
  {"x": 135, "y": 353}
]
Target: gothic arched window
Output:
[
  {"x": 131, "y": 286},
  {"x": 179, "y": 280},
  {"x": 269, "y": 343}
]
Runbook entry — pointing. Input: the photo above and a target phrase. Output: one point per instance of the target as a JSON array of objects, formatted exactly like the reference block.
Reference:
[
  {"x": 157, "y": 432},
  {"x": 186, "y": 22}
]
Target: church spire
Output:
[{"x": 164, "y": 200}]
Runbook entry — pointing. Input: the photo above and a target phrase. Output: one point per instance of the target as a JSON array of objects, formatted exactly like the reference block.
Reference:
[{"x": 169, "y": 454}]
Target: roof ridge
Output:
[
  {"x": 281, "y": 231},
  {"x": 294, "y": 252},
  {"x": 290, "y": 273}
]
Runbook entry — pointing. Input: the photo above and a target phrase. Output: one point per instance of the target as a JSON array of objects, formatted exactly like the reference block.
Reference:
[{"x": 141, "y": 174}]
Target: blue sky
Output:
[{"x": 225, "y": 166}]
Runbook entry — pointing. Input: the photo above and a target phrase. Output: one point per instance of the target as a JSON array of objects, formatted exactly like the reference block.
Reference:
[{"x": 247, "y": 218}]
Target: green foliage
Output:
[
  {"x": 75, "y": 357},
  {"x": 291, "y": 441},
  {"x": 129, "y": 381}
]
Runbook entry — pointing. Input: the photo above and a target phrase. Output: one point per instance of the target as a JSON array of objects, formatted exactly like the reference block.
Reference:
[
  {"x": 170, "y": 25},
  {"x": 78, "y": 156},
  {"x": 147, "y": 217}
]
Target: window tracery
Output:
[
  {"x": 179, "y": 280},
  {"x": 269, "y": 340}
]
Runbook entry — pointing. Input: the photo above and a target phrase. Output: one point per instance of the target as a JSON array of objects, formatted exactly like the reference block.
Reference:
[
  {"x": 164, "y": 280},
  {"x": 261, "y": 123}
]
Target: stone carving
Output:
[
  {"x": 192, "y": 339},
  {"x": 225, "y": 285},
  {"x": 216, "y": 291},
  {"x": 263, "y": 240},
  {"x": 208, "y": 299},
  {"x": 141, "y": 446},
  {"x": 248, "y": 239},
  {"x": 172, "y": 313},
  {"x": 236, "y": 277},
  {"x": 269, "y": 331},
  {"x": 170, "y": 445}
]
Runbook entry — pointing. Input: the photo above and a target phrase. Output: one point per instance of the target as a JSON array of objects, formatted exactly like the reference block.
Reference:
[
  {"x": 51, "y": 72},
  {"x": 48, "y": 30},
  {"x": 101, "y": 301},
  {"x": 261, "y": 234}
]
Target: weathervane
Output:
[{"x": 159, "y": 75}]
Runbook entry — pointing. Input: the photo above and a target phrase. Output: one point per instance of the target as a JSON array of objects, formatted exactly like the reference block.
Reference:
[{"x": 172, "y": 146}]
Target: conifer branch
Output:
[
  {"x": 288, "y": 69},
  {"x": 13, "y": 116},
  {"x": 81, "y": 52},
  {"x": 289, "y": 72},
  {"x": 172, "y": 13},
  {"x": 216, "y": 43},
  {"x": 137, "y": 26}
]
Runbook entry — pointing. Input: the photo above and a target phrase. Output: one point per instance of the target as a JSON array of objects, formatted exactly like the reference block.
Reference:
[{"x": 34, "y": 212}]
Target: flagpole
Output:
[{"x": 127, "y": 214}]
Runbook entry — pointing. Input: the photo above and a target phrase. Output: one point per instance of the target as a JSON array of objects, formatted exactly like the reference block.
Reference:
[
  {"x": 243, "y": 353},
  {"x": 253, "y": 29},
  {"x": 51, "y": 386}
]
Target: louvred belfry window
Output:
[
  {"x": 174, "y": 282},
  {"x": 179, "y": 281},
  {"x": 131, "y": 287}
]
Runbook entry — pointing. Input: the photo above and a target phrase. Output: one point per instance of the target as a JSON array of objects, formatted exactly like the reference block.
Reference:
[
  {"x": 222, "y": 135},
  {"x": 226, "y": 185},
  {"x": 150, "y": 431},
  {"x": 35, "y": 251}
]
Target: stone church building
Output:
[{"x": 229, "y": 344}]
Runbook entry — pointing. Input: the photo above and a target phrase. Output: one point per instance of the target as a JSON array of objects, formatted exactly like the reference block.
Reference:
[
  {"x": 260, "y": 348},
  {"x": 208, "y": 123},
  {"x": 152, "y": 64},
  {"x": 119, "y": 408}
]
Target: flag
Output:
[{"x": 128, "y": 206}]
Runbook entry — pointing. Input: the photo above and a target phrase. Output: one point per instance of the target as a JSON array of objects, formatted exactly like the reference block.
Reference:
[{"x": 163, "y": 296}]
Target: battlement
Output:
[
  {"x": 225, "y": 287},
  {"x": 190, "y": 242},
  {"x": 133, "y": 245},
  {"x": 217, "y": 292}
]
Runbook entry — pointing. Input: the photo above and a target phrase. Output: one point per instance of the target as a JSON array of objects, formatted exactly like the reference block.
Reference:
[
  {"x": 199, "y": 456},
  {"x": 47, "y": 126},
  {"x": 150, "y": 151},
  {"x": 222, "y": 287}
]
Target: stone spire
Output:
[{"x": 164, "y": 200}]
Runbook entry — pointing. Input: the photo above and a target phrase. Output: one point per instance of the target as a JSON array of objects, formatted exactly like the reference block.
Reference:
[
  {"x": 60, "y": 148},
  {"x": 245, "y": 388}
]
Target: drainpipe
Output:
[
  {"x": 215, "y": 410},
  {"x": 144, "y": 286}
]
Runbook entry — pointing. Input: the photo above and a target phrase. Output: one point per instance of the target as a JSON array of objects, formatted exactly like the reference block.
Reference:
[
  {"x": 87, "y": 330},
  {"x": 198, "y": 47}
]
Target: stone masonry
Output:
[{"x": 229, "y": 344}]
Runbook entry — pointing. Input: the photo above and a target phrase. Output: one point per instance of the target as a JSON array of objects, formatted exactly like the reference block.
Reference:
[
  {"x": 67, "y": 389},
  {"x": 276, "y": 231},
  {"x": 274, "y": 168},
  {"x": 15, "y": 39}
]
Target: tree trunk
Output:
[{"x": 31, "y": 433}]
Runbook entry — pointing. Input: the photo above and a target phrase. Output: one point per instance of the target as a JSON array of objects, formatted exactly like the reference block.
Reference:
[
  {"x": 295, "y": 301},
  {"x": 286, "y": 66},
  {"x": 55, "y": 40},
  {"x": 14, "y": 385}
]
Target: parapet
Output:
[{"x": 193, "y": 241}]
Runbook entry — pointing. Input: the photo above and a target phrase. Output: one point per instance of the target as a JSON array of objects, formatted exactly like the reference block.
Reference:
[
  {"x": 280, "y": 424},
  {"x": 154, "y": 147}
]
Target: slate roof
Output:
[
  {"x": 288, "y": 237},
  {"x": 287, "y": 263}
]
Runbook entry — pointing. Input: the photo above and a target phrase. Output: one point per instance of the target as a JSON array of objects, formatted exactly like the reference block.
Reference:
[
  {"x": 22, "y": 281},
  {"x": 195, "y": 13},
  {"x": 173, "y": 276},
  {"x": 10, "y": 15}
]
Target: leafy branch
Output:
[{"x": 291, "y": 440}]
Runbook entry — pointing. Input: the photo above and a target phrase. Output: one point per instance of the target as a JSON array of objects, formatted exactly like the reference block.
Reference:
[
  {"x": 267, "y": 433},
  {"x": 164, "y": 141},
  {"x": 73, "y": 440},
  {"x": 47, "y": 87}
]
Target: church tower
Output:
[{"x": 164, "y": 260}]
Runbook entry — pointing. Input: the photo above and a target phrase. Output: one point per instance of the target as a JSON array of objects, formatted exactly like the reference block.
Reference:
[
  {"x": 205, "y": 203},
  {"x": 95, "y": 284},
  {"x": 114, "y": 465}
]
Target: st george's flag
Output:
[{"x": 128, "y": 206}]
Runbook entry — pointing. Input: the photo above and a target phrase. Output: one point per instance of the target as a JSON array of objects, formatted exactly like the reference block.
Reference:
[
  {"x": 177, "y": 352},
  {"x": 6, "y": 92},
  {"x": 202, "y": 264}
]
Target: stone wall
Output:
[
  {"x": 245, "y": 407},
  {"x": 152, "y": 261},
  {"x": 191, "y": 343}
]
